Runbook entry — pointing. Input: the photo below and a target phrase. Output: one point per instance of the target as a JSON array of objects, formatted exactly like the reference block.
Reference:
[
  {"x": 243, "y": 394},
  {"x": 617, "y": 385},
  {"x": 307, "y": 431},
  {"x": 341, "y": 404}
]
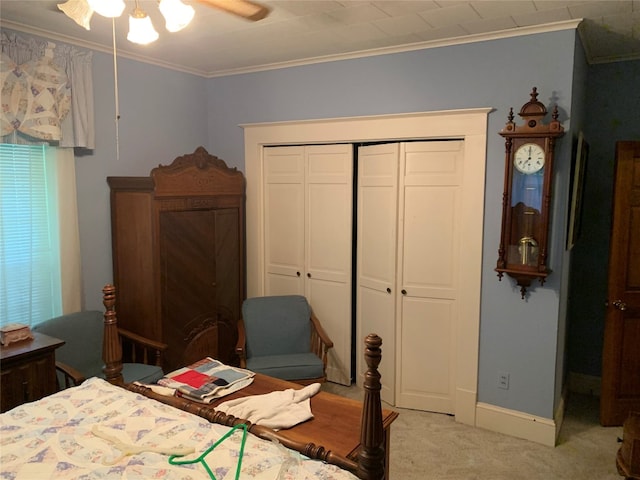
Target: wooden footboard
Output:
[{"x": 370, "y": 464}]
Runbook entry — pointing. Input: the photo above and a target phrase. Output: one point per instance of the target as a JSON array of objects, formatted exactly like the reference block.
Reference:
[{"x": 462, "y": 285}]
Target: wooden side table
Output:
[{"x": 27, "y": 370}]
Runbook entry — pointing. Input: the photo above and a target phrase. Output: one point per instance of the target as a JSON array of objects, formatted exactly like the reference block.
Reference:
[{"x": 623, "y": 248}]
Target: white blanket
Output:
[{"x": 277, "y": 410}]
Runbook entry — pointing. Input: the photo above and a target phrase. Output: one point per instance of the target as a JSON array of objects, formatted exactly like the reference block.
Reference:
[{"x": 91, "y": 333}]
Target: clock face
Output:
[{"x": 529, "y": 158}]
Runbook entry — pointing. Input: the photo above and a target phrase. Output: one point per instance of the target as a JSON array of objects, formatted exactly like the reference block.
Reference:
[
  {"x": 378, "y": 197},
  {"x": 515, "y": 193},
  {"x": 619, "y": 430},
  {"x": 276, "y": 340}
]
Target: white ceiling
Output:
[{"x": 296, "y": 32}]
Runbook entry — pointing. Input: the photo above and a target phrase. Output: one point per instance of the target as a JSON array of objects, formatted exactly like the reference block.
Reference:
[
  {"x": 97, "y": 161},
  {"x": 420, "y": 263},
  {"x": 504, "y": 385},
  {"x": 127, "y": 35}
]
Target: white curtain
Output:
[{"x": 70, "y": 268}]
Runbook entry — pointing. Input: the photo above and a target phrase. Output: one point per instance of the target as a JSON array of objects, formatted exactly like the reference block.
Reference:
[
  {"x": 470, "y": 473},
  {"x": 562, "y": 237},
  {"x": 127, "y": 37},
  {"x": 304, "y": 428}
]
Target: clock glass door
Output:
[{"x": 526, "y": 207}]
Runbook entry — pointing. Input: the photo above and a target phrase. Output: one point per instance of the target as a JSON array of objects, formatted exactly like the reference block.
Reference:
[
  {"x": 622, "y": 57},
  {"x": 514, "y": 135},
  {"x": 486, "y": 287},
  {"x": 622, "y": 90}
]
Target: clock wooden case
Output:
[{"x": 526, "y": 200}]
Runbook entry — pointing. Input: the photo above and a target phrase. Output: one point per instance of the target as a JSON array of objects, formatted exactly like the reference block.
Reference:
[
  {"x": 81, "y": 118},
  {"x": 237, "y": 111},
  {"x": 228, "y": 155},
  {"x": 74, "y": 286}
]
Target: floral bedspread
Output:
[{"x": 97, "y": 431}]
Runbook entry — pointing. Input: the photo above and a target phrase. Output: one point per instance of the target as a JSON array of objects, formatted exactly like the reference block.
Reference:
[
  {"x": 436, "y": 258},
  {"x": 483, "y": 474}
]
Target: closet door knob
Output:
[
  {"x": 308, "y": 275},
  {"x": 388, "y": 290},
  {"x": 298, "y": 273},
  {"x": 404, "y": 292}
]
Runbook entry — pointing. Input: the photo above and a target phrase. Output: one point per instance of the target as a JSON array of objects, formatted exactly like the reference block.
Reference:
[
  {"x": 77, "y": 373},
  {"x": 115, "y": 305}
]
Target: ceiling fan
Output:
[
  {"x": 243, "y": 8},
  {"x": 177, "y": 14}
]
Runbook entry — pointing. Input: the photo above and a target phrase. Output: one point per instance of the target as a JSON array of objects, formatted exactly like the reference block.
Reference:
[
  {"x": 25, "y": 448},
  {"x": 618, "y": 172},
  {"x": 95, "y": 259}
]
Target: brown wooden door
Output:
[{"x": 621, "y": 351}]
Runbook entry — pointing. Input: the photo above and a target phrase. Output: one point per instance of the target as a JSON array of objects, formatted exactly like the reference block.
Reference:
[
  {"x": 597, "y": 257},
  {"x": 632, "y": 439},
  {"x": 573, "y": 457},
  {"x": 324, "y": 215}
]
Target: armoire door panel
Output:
[
  {"x": 187, "y": 275},
  {"x": 226, "y": 231},
  {"x": 136, "y": 298},
  {"x": 228, "y": 295}
]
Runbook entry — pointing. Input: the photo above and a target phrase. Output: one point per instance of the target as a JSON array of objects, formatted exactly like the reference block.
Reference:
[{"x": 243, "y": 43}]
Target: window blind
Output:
[{"x": 29, "y": 245}]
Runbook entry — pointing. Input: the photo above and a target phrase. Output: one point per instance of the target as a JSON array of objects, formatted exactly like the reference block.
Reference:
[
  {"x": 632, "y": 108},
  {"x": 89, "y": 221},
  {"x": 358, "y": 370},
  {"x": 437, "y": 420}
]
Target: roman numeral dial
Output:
[{"x": 529, "y": 158}]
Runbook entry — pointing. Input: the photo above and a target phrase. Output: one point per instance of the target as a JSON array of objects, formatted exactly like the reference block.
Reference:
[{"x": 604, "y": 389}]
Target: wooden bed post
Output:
[
  {"x": 371, "y": 457},
  {"x": 111, "y": 348}
]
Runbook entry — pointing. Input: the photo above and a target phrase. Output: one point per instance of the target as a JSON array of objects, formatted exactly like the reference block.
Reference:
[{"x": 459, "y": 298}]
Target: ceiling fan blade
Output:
[{"x": 243, "y": 8}]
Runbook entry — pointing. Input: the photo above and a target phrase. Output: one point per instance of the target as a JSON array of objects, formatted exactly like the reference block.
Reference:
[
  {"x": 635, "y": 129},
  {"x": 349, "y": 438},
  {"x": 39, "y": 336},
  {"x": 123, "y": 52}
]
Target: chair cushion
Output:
[
  {"x": 297, "y": 366},
  {"x": 132, "y": 372},
  {"x": 277, "y": 325}
]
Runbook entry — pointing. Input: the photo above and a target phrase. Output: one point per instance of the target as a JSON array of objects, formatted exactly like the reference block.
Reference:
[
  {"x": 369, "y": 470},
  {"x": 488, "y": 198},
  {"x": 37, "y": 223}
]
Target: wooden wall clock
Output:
[{"x": 526, "y": 200}]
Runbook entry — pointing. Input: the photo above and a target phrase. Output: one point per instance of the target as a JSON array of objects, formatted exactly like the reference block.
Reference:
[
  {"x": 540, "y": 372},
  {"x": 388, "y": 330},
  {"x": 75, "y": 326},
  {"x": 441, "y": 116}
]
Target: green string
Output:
[{"x": 201, "y": 458}]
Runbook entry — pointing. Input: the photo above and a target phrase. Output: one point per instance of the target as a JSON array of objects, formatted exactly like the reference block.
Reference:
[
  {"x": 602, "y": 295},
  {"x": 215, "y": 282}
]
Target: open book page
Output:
[{"x": 207, "y": 380}]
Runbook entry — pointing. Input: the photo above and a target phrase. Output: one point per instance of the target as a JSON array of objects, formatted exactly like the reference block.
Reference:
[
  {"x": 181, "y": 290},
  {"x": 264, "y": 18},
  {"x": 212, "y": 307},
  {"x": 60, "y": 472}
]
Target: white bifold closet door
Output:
[
  {"x": 308, "y": 237},
  {"x": 409, "y": 224}
]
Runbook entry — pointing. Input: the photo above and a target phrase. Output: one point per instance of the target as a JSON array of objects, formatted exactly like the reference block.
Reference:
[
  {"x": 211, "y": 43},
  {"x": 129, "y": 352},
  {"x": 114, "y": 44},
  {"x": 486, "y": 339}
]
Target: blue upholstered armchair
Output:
[
  {"x": 81, "y": 355},
  {"x": 280, "y": 336}
]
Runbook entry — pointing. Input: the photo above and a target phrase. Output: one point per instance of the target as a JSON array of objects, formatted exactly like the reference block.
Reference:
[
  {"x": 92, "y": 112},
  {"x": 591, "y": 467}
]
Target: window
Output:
[{"x": 30, "y": 278}]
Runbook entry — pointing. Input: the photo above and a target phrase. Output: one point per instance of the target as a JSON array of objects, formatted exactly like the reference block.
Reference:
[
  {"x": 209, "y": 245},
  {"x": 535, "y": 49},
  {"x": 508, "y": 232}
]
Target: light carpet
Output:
[{"x": 431, "y": 446}]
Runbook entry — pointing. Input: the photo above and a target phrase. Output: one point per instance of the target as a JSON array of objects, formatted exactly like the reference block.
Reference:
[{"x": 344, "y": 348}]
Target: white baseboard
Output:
[
  {"x": 585, "y": 384},
  {"x": 466, "y": 406},
  {"x": 517, "y": 424}
]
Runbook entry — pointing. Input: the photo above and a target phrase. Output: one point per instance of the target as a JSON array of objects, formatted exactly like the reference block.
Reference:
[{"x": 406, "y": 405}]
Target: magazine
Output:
[{"x": 207, "y": 380}]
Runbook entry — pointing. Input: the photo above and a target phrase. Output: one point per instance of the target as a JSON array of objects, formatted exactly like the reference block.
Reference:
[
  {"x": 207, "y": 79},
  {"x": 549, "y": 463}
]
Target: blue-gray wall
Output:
[
  {"x": 613, "y": 106},
  {"x": 519, "y": 337},
  {"x": 165, "y": 114},
  {"x": 162, "y": 115}
]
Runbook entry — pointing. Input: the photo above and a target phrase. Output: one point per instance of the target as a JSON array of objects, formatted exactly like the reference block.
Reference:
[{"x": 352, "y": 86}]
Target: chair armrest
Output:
[
  {"x": 72, "y": 377},
  {"x": 240, "y": 350},
  {"x": 147, "y": 347},
  {"x": 320, "y": 341},
  {"x": 328, "y": 343}
]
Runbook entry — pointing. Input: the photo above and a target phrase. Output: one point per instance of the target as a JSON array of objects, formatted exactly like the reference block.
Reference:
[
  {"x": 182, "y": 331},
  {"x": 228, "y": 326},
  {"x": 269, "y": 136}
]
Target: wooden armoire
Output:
[{"x": 178, "y": 256}]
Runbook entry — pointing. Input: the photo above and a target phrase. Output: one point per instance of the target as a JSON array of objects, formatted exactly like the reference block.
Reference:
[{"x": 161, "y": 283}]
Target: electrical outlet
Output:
[{"x": 503, "y": 380}]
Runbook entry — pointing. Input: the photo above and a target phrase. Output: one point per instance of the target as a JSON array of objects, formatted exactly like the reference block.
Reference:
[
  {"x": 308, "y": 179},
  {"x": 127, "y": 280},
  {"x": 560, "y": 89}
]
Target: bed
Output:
[{"x": 107, "y": 429}]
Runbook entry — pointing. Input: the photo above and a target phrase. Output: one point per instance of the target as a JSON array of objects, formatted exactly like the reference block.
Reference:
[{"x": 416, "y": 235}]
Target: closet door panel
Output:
[
  {"x": 376, "y": 252},
  {"x": 328, "y": 248},
  {"x": 284, "y": 220},
  {"x": 331, "y": 303},
  {"x": 429, "y": 243},
  {"x": 427, "y": 330}
]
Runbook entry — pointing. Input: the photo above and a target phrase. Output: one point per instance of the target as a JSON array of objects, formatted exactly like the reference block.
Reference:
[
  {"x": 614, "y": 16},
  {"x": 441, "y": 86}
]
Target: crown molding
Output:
[{"x": 123, "y": 53}]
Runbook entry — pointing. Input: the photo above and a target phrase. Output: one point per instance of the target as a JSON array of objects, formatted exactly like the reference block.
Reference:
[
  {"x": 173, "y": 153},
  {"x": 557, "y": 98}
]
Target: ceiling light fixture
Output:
[
  {"x": 107, "y": 8},
  {"x": 177, "y": 15},
  {"x": 141, "y": 29},
  {"x": 78, "y": 10}
]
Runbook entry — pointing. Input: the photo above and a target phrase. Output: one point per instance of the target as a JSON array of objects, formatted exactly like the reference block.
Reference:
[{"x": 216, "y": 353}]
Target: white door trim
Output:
[{"x": 469, "y": 125}]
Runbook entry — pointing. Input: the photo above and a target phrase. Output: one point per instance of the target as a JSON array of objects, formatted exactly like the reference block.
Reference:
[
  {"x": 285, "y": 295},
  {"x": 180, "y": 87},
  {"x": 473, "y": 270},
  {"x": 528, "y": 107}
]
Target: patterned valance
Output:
[{"x": 47, "y": 93}]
